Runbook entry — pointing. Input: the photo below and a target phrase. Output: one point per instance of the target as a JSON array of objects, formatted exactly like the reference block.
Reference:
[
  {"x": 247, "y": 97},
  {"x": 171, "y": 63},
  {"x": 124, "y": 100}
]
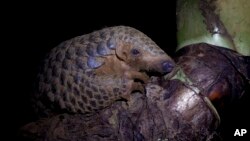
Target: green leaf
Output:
[{"x": 223, "y": 23}]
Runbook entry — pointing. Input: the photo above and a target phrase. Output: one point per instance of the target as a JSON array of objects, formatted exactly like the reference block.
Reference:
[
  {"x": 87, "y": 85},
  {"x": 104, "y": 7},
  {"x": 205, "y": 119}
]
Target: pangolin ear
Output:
[{"x": 122, "y": 51}]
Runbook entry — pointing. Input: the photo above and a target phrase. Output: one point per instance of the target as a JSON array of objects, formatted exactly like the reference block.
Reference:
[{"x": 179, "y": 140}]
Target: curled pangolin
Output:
[{"x": 89, "y": 72}]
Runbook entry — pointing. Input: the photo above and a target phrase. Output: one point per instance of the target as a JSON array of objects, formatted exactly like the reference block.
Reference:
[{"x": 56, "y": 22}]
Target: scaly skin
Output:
[{"x": 89, "y": 72}]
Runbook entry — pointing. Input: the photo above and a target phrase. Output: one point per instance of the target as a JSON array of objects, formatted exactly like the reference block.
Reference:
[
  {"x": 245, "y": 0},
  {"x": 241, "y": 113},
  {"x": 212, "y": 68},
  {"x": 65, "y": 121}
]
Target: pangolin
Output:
[{"x": 89, "y": 72}]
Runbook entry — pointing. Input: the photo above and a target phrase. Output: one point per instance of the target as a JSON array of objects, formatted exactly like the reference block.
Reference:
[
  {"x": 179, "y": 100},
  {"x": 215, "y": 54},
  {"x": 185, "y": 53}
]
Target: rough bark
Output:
[{"x": 172, "y": 109}]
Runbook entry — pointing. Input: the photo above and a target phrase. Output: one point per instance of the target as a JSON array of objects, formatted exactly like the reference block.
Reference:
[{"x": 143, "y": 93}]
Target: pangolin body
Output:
[{"x": 89, "y": 72}]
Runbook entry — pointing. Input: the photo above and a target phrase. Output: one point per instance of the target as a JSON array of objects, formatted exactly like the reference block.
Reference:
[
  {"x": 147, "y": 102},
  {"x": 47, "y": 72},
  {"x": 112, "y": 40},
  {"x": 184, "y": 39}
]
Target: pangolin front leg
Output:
[{"x": 89, "y": 72}]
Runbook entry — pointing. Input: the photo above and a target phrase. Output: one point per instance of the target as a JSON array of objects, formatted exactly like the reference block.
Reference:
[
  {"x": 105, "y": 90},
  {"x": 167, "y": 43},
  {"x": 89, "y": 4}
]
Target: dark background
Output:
[{"x": 32, "y": 29}]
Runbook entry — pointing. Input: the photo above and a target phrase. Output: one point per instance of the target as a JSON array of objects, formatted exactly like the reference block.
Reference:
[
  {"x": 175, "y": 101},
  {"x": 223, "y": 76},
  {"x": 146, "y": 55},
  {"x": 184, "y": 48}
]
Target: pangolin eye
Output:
[{"x": 135, "y": 51}]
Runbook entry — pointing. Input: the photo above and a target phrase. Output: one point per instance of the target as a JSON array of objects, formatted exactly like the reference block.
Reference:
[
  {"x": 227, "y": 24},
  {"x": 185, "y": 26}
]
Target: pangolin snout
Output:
[{"x": 167, "y": 66}]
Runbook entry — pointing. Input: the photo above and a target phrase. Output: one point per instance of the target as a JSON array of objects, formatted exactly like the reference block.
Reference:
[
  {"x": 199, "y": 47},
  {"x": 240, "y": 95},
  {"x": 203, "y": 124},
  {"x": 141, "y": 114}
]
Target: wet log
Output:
[{"x": 181, "y": 106}]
